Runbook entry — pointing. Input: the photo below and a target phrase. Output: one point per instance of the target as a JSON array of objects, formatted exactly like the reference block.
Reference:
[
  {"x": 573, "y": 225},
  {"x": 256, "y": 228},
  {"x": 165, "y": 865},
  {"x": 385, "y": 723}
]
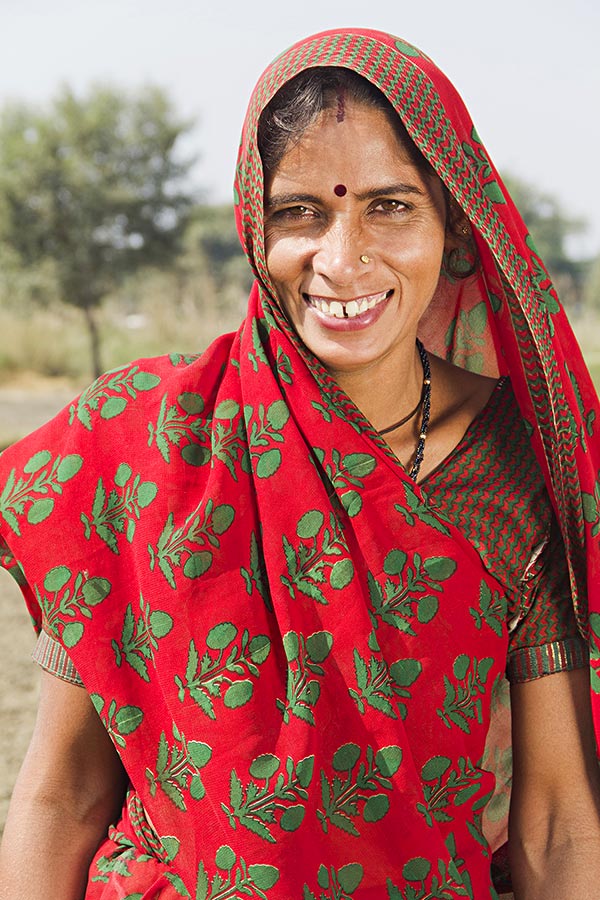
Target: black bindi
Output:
[{"x": 340, "y": 190}]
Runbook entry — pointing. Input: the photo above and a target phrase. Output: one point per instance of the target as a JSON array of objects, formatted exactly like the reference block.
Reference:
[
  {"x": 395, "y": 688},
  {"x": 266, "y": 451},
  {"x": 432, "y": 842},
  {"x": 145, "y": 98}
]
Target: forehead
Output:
[
  {"x": 361, "y": 144},
  {"x": 362, "y": 152}
]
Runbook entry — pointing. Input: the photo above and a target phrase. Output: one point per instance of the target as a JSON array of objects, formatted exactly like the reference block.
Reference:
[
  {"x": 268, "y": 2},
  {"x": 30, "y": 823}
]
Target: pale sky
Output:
[{"x": 529, "y": 70}]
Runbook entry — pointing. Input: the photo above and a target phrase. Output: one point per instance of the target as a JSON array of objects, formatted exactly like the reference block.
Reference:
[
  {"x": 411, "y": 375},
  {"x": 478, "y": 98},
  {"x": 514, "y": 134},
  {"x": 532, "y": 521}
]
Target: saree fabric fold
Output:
[{"x": 274, "y": 625}]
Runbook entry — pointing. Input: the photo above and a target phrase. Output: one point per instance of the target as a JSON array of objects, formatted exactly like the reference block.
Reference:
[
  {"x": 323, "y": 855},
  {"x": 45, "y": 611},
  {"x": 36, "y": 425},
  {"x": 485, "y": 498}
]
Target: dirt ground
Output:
[
  {"x": 20, "y": 679},
  {"x": 25, "y": 404},
  {"x": 28, "y": 401}
]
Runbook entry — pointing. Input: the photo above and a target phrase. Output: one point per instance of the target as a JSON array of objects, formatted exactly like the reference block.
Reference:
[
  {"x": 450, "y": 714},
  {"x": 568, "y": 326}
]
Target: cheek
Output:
[
  {"x": 284, "y": 278},
  {"x": 284, "y": 263},
  {"x": 434, "y": 258},
  {"x": 420, "y": 258}
]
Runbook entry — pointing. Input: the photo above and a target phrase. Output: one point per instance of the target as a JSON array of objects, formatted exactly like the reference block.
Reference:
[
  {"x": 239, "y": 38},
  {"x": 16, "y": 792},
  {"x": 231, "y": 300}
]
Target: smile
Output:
[{"x": 346, "y": 309}]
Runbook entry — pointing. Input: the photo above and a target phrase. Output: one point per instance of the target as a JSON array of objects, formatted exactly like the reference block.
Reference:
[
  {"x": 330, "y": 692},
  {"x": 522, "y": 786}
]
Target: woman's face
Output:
[{"x": 349, "y": 313}]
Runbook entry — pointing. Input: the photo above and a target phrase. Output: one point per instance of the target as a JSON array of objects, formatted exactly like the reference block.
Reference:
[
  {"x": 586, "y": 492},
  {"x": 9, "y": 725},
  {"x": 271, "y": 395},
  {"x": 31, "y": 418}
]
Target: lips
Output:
[{"x": 346, "y": 309}]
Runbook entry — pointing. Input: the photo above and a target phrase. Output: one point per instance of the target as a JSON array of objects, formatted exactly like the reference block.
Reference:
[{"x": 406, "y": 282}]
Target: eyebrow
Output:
[
  {"x": 400, "y": 188},
  {"x": 284, "y": 199},
  {"x": 371, "y": 194}
]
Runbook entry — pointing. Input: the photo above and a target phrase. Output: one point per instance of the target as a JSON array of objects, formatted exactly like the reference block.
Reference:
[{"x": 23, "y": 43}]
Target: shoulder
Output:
[
  {"x": 121, "y": 425},
  {"x": 125, "y": 401},
  {"x": 108, "y": 400},
  {"x": 107, "y": 462}
]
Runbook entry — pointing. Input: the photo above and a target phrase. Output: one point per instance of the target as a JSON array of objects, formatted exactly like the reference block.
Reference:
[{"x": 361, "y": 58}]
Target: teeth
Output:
[{"x": 348, "y": 310}]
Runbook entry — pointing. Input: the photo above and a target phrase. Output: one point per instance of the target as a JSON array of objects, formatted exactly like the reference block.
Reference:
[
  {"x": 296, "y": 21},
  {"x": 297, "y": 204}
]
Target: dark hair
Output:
[{"x": 298, "y": 103}]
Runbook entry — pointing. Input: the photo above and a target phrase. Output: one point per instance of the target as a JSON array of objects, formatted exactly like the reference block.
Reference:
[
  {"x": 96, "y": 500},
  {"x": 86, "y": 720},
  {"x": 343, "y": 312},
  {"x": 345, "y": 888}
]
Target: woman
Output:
[{"x": 286, "y": 571}]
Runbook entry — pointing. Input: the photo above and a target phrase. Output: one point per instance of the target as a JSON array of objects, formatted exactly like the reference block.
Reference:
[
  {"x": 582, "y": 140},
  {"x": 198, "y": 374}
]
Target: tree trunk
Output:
[{"x": 94, "y": 333}]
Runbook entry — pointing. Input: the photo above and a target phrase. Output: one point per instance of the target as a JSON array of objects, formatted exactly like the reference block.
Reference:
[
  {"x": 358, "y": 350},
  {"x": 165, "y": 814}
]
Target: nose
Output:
[{"x": 337, "y": 257}]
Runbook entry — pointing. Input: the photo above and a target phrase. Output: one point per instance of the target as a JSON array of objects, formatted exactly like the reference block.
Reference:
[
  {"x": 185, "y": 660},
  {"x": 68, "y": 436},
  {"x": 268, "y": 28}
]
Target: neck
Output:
[{"x": 386, "y": 390}]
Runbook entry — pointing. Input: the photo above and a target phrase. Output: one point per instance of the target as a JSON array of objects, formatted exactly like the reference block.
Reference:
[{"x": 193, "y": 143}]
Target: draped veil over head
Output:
[
  {"x": 270, "y": 620},
  {"x": 506, "y": 319}
]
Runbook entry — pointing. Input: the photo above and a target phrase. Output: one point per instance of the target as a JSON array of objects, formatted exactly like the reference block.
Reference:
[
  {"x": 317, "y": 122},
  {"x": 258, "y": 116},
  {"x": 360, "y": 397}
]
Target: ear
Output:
[
  {"x": 460, "y": 252},
  {"x": 458, "y": 229}
]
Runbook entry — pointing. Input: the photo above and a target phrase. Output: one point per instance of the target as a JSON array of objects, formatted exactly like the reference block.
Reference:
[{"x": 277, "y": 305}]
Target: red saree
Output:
[{"x": 207, "y": 536}]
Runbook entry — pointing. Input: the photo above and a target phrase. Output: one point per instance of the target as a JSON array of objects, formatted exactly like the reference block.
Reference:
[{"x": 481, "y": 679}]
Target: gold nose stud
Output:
[{"x": 365, "y": 259}]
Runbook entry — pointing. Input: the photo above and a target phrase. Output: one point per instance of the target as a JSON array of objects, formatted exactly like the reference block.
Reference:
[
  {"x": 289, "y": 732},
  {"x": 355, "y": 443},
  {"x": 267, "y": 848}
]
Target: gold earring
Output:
[{"x": 365, "y": 259}]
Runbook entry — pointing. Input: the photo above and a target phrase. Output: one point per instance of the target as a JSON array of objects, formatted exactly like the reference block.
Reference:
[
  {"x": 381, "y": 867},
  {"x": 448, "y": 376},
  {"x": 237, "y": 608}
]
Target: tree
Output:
[
  {"x": 552, "y": 230},
  {"x": 212, "y": 242},
  {"x": 93, "y": 189}
]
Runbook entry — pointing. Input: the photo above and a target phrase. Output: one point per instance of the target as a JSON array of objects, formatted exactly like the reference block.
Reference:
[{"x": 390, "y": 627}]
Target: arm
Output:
[
  {"x": 554, "y": 827},
  {"x": 69, "y": 789}
]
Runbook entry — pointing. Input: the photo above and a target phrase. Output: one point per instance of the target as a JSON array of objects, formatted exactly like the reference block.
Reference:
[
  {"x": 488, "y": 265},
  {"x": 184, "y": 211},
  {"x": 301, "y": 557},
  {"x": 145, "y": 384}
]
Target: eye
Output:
[
  {"x": 297, "y": 211},
  {"x": 390, "y": 206},
  {"x": 292, "y": 212}
]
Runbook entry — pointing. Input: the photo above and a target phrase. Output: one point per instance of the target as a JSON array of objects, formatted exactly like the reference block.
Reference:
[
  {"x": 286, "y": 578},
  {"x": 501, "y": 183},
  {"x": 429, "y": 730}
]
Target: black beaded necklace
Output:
[
  {"x": 407, "y": 418},
  {"x": 425, "y": 402},
  {"x": 416, "y": 468}
]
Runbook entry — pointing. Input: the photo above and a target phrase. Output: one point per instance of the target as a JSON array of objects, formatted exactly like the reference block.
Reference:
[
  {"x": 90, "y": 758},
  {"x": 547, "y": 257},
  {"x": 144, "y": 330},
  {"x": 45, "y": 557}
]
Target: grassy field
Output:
[
  {"x": 55, "y": 342},
  {"x": 587, "y": 330}
]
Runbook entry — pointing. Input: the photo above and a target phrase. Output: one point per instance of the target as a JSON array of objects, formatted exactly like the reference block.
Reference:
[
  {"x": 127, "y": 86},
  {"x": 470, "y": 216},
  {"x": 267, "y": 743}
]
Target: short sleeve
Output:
[
  {"x": 543, "y": 633},
  {"x": 492, "y": 489},
  {"x": 54, "y": 659}
]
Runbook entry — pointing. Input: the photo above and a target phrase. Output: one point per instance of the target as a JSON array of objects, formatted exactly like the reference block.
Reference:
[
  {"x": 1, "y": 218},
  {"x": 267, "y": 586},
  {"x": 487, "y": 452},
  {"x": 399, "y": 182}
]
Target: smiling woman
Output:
[
  {"x": 359, "y": 318},
  {"x": 282, "y": 587},
  {"x": 353, "y": 315}
]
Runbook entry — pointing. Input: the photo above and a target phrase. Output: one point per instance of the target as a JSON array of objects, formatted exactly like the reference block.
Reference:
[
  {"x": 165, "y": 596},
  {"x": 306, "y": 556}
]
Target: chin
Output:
[{"x": 346, "y": 362}]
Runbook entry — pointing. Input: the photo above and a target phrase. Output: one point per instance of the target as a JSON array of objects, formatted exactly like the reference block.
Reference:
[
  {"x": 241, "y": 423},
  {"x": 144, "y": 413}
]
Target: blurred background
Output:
[{"x": 119, "y": 127}]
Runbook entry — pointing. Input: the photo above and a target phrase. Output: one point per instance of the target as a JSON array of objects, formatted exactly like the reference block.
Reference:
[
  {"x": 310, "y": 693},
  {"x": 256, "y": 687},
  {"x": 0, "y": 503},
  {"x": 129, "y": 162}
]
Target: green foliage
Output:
[
  {"x": 140, "y": 636},
  {"x": 363, "y": 792},
  {"x": 90, "y": 189},
  {"x": 280, "y": 801},
  {"x": 591, "y": 297},
  {"x": 336, "y": 885},
  {"x": 417, "y": 510},
  {"x": 250, "y": 880},
  {"x": 212, "y": 238},
  {"x": 491, "y": 610},
  {"x": 591, "y": 508},
  {"x": 463, "y": 700},
  {"x": 264, "y": 427},
  {"x": 118, "y": 721},
  {"x": 408, "y": 597},
  {"x": 67, "y": 597},
  {"x": 445, "y": 787},
  {"x": 92, "y": 184},
  {"x": 304, "y": 656},
  {"x": 188, "y": 547},
  {"x": 312, "y": 564},
  {"x": 226, "y": 674},
  {"x": 379, "y": 684},
  {"x": 118, "y": 511},
  {"x": 548, "y": 223},
  {"x": 28, "y": 495},
  {"x": 551, "y": 229},
  {"x": 177, "y": 768},
  {"x": 346, "y": 473},
  {"x": 109, "y": 394}
]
